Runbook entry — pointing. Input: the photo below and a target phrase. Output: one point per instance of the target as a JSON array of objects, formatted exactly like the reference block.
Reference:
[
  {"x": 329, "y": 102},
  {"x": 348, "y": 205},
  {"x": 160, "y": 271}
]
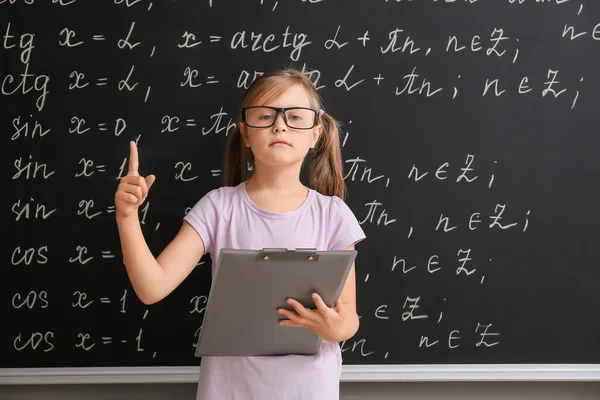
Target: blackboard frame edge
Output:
[{"x": 350, "y": 373}]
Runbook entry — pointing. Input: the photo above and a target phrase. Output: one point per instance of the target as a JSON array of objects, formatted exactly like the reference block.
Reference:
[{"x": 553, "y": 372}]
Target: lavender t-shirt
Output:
[{"x": 227, "y": 217}]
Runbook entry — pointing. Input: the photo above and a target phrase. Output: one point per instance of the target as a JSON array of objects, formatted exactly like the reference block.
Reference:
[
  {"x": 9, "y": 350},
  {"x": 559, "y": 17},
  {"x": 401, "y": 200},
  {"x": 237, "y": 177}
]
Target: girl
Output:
[{"x": 281, "y": 121}]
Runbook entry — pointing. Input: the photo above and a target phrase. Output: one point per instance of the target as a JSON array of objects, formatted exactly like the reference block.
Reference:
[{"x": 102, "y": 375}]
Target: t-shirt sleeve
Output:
[
  {"x": 203, "y": 218},
  {"x": 344, "y": 228}
]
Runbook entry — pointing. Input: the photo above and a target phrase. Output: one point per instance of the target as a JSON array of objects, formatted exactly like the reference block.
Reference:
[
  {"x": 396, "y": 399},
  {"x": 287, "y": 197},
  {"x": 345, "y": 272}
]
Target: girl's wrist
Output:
[{"x": 347, "y": 328}]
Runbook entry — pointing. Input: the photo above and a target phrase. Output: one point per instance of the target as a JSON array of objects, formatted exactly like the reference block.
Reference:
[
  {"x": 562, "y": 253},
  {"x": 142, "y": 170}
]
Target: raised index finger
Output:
[{"x": 133, "y": 159}]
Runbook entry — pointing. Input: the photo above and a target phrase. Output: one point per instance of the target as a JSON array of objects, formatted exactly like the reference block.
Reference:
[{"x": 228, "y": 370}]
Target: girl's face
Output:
[{"x": 266, "y": 143}]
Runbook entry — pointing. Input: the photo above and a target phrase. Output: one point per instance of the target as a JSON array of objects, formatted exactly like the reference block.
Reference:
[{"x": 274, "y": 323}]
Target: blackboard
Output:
[{"x": 470, "y": 143}]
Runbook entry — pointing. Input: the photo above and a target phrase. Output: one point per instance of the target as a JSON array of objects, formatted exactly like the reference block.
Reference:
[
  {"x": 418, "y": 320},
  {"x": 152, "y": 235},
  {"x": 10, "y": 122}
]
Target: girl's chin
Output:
[{"x": 272, "y": 160}]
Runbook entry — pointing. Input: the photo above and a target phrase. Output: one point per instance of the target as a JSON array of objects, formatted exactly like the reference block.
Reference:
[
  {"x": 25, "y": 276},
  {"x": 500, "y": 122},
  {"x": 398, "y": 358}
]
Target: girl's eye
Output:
[{"x": 265, "y": 117}]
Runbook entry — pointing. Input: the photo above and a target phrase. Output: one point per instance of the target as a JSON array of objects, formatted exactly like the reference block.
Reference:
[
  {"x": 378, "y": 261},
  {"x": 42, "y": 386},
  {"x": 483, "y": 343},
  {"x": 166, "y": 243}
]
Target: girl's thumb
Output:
[{"x": 150, "y": 180}]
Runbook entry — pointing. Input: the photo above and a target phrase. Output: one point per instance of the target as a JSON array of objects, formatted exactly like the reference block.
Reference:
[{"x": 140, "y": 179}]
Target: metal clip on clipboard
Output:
[{"x": 289, "y": 254}]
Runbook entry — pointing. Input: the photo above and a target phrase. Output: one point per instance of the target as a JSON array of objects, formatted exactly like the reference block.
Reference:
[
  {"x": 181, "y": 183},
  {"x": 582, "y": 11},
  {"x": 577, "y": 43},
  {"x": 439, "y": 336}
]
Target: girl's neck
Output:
[
  {"x": 276, "y": 181},
  {"x": 277, "y": 194}
]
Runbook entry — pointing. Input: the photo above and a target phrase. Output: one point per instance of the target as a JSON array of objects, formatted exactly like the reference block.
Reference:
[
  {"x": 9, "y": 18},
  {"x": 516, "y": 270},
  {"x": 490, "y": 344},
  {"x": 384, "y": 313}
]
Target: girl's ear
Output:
[
  {"x": 244, "y": 133},
  {"x": 317, "y": 132}
]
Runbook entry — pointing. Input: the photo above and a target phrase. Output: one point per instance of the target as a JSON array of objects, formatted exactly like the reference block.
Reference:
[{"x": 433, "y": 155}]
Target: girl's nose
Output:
[{"x": 279, "y": 124}]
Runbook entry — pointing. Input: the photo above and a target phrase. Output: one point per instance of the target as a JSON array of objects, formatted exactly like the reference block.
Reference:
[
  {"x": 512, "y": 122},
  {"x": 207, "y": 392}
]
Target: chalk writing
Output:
[{"x": 467, "y": 151}]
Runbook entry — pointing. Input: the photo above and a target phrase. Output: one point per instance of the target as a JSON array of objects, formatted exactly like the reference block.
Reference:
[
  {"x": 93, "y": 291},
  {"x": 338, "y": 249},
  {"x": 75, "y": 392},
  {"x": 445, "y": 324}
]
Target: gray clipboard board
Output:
[{"x": 241, "y": 318}]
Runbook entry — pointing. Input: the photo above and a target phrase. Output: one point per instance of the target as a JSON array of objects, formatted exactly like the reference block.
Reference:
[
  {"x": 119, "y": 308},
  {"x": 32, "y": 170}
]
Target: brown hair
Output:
[{"x": 325, "y": 170}]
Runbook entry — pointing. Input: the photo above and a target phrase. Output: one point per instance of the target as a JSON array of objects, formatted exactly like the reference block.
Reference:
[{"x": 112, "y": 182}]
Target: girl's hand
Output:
[
  {"x": 133, "y": 188},
  {"x": 328, "y": 323}
]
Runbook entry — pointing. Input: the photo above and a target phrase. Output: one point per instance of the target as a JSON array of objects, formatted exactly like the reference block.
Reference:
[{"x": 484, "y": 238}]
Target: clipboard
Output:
[{"x": 241, "y": 318}]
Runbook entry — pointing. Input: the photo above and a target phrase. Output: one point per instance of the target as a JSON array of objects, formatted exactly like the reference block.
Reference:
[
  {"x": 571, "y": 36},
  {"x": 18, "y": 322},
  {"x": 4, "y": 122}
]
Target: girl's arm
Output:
[
  {"x": 155, "y": 278},
  {"x": 152, "y": 278},
  {"x": 347, "y": 301}
]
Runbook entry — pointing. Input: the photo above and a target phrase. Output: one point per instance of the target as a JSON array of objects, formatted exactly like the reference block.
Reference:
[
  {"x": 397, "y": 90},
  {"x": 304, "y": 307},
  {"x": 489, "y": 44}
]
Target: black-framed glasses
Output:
[{"x": 294, "y": 117}]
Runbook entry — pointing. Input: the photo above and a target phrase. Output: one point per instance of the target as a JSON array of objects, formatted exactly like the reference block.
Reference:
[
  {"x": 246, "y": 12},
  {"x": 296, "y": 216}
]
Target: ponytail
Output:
[{"x": 326, "y": 170}]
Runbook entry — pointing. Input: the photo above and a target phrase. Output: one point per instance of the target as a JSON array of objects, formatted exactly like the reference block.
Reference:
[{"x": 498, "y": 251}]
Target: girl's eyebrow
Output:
[{"x": 292, "y": 106}]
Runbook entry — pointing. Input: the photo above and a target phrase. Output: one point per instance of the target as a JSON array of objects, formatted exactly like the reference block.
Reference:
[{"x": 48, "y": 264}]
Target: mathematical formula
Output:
[{"x": 438, "y": 202}]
